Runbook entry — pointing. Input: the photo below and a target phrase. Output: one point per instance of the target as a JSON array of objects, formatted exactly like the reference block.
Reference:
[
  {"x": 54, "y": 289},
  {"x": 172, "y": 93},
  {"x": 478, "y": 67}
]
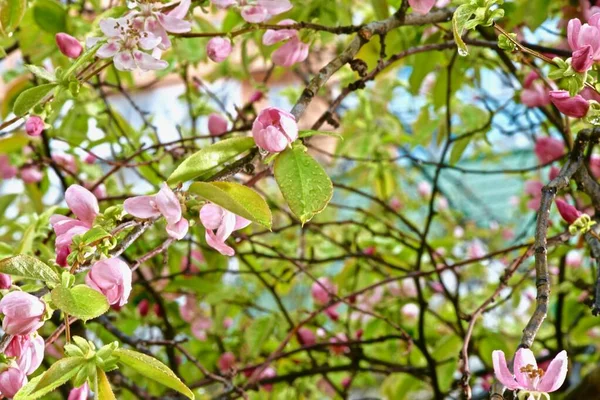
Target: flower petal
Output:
[
  {"x": 255, "y": 14},
  {"x": 146, "y": 62},
  {"x": 150, "y": 41},
  {"x": 501, "y": 370},
  {"x": 142, "y": 207},
  {"x": 181, "y": 10},
  {"x": 211, "y": 216},
  {"x": 168, "y": 204},
  {"x": 83, "y": 203},
  {"x": 108, "y": 49},
  {"x": 173, "y": 24},
  {"x": 179, "y": 229},
  {"x": 218, "y": 245},
  {"x": 241, "y": 223},
  {"x": 523, "y": 358},
  {"x": 555, "y": 374},
  {"x": 110, "y": 27},
  {"x": 124, "y": 61}
]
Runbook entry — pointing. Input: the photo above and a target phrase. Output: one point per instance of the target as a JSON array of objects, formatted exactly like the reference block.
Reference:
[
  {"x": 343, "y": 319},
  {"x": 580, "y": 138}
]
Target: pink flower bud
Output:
[
  {"x": 576, "y": 107},
  {"x": 66, "y": 161},
  {"x": 395, "y": 204},
  {"x": 143, "y": 307},
  {"x": 112, "y": 278},
  {"x": 332, "y": 313},
  {"x": 410, "y": 311},
  {"x": 7, "y": 171},
  {"x": 274, "y": 129},
  {"x": 574, "y": 259},
  {"x": 226, "y": 362},
  {"x": 256, "y": 96},
  {"x": 336, "y": 348},
  {"x": 11, "y": 380},
  {"x": 218, "y": 49},
  {"x": 346, "y": 381},
  {"x": 424, "y": 189},
  {"x": 28, "y": 351},
  {"x": 68, "y": 45},
  {"x": 217, "y": 125},
  {"x": 34, "y": 126},
  {"x": 23, "y": 313},
  {"x": 5, "y": 281},
  {"x": 90, "y": 158},
  {"x": 548, "y": 149},
  {"x": 554, "y": 171},
  {"x": 567, "y": 211},
  {"x": 369, "y": 251},
  {"x": 268, "y": 372},
  {"x": 80, "y": 393},
  {"x": 321, "y": 292},
  {"x": 31, "y": 174},
  {"x": 306, "y": 336},
  {"x": 421, "y": 6}
]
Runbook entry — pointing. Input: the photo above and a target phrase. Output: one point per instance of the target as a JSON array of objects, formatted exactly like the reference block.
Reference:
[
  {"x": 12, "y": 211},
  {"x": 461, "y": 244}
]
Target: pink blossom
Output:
[
  {"x": 199, "y": 326},
  {"x": 527, "y": 376},
  {"x": 31, "y": 174},
  {"x": 226, "y": 362},
  {"x": 346, "y": 381},
  {"x": 267, "y": 373},
  {"x": 421, "y": 6},
  {"x": 68, "y": 45},
  {"x": 217, "y": 124},
  {"x": 410, "y": 311},
  {"x": 548, "y": 149},
  {"x": 274, "y": 129},
  {"x": 189, "y": 309},
  {"x": 11, "y": 380},
  {"x": 164, "y": 203},
  {"x": 534, "y": 94},
  {"x": 424, "y": 189},
  {"x": 223, "y": 3},
  {"x": 395, "y": 204},
  {"x": 293, "y": 51},
  {"x": 554, "y": 171},
  {"x": 151, "y": 20},
  {"x": 85, "y": 207},
  {"x": 332, "y": 313},
  {"x": 80, "y": 393},
  {"x": 256, "y": 96},
  {"x": 590, "y": 94},
  {"x": 126, "y": 40},
  {"x": 7, "y": 171},
  {"x": 196, "y": 259},
  {"x": 23, "y": 313},
  {"x": 576, "y": 107},
  {"x": 534, "y": 189},
  {"x": 112, "y": 278},
  {"x": 34, "y": 126},
  {"x": 218, "y": 49},
  {"x": 227, "y": 323},
  {"x": 569, "y": 213},
  {"x": 306, "y": 337},
  {"x": 595, "y": 165},
  {"x": 584, "y": 40},
  {"x": 220, "y": 224},
  {"x": 5, "y": 281},
  {"x": 323, "y": 291},
  {"x": 28, "y": 351},
  {"x": 66, "y": 161},
  {"x": 476, "y": 249}
]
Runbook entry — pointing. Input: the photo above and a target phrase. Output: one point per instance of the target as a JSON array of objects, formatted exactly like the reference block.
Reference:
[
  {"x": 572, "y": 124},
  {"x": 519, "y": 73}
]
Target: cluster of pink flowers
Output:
[
  {"x": 137, "y": 39},
  {"x": 23, "y": 316},
  {"x": 256, "y": 11}
]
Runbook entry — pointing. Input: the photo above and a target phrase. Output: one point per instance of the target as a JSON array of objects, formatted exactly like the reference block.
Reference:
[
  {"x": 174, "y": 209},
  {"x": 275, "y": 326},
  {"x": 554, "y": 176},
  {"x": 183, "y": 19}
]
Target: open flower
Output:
[
  {"x": 527, "y": 376},
  {"x": 256, "y": 11},
  {"x": 164, "y": 203},
  {"x": 126, "y": 40},
  {"x": 85, "y": 207},
  {"x": 220, "y": 224},
  {"x": 293, "y": 51},
  {"x": 274, "y": 129},
  {"x": 158, "y": 23}
]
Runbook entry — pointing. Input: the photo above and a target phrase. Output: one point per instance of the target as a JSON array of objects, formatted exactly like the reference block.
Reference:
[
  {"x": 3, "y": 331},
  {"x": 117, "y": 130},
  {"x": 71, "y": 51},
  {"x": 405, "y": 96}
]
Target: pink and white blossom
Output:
[
  {"x": 256, "y": 11},
  {"x": 218, "y": 49},
  {"x": 421, "y": 6},
  {"x": 274, "y": 129},
  {"x": 151, "y": 19},
  {"x": 28, "y": 351},
  {"x": 34, "y": 126},
  {"x": 31, "y": 174},
  {"x": 164, "y": 203},
  {"x": 526, "y": 375},
  {"x": 293, "y": 51},
  {"x": 220, "y": 224},
  {"x": 217, "y": 124},
  {"x": 23, "y": 313}
]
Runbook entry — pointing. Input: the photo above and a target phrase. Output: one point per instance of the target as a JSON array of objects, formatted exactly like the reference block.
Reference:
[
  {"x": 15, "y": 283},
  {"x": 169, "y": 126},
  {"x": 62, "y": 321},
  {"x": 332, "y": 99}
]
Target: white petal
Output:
[
  {"x": 108, "y": 50},
  {"x": 146, "y": 62},
  {"x": 124, "y": 61}
]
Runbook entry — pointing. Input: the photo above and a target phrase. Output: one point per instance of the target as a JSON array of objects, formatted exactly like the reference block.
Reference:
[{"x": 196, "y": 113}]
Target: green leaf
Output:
[
  {"x": 238, "y": 199},
  {"x": 28, "y": 267},
  {"x": 258, "y": 333},
  {"x": 310, "y": 132},
  {"x": 80, "y": 301},
  {"x": 31, "y": 97},
  {"x": 13, "y": 143},
  {"x": 26, "y": 243},
  {"x": 41, "y": 72},
  {"x": 104, "y": 390},
  {"x": 94, "y": 235},
  {"x": 382, "y": 10},
  {"x": 303, "y": 183},
  {"x": 153, "y": 369},
  {"x": 50, "y": 16},
  {"x": 58, "y": 374},
  {"x": 459, "y": 148},
  {"x": 461, "y": 16},
  {"x": 11, "y": 14},
  {"x": 210, "y": 158}
]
